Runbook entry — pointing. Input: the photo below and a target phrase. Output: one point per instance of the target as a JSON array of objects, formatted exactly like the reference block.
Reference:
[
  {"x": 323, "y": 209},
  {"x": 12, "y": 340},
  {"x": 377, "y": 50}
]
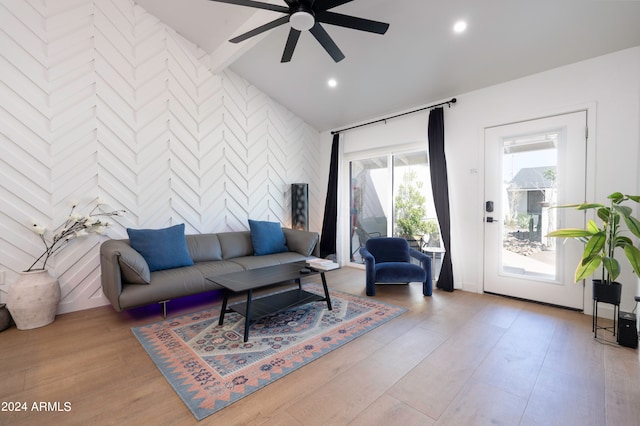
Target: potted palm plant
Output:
[{"x": 601, "y": 242}]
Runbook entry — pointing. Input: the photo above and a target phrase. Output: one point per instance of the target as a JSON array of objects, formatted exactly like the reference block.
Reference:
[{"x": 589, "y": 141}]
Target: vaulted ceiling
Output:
[{"x": 418, "y": 61}]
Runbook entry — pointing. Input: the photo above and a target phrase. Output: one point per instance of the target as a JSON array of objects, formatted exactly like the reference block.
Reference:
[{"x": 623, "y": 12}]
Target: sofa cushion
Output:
[
  {"x": 254, "y": 262},
  {"x": 217, "y": 267},
  {"x": 161, "y": 248},
  {"x": 235, "y": 244},
  {"x": 267, "y": 237},
  {"x": 204, "y": 247},
  {"x": 133, "y": 267},
  {"x": 399, "y": 272}
]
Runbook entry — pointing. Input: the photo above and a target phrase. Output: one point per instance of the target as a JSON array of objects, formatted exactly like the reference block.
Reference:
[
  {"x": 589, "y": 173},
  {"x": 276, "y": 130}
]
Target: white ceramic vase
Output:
[{"x": 33, "y": 299}]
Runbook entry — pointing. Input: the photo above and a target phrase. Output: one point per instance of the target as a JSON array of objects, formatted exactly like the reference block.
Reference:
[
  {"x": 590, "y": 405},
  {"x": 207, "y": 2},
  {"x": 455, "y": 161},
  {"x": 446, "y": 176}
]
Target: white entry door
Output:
[{"x": 529, "y": 167}]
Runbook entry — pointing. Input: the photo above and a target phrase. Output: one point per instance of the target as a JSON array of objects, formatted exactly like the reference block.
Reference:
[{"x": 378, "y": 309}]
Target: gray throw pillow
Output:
[
  {"x": 300, "y": 241},
  {"x": 133, "y": 267}
]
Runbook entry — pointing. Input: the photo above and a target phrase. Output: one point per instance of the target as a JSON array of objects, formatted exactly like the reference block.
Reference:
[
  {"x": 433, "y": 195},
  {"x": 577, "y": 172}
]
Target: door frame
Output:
[{"x": 590, "y": 180}]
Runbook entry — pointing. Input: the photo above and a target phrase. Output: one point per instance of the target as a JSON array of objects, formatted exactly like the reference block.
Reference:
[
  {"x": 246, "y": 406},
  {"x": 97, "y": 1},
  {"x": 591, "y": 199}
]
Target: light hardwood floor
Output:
[{"x": 455, "y": 358}]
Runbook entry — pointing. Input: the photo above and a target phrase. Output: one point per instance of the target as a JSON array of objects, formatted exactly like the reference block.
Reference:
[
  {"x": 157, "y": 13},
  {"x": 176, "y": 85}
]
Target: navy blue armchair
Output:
[{"x": 388, "y": 260}]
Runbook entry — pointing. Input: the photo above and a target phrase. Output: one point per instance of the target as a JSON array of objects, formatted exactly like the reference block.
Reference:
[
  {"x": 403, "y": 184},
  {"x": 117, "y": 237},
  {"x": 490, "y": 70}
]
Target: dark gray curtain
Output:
[
  {"x": 329, "y": 223},
  {"x": 440, "y": 189}
]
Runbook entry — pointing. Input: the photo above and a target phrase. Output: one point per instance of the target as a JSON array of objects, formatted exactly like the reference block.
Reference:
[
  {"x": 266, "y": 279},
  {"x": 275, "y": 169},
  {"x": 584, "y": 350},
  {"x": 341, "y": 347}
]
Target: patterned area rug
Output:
[{"x": 210, "y": 366}]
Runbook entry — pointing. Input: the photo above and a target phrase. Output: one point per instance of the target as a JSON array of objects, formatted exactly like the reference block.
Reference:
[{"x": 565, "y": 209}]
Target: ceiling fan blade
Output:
[
  {"x": 352, "y": 22},
  {"x": 260, "y": 29},
  {"x": 322, "y": 5},
  {"x": 327, "y": 42},
  {"x": 256, "y": 4},
  {"x": 294, "y": 35}
]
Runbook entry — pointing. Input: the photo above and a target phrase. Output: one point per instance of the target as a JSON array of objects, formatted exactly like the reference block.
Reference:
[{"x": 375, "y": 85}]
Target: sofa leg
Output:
[{"x": 164, "y": 308}]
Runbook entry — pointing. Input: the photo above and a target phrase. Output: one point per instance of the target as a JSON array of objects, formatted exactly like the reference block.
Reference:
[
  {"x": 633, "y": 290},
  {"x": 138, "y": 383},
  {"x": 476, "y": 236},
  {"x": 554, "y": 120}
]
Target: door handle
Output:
[{"x": 489, "y": 219}]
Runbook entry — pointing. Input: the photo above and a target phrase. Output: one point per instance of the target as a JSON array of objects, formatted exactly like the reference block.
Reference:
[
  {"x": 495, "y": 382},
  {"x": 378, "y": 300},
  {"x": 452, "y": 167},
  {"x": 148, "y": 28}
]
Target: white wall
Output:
[
  {"x": 608, "y": 85},
  {"x": 99, "y": 98}
]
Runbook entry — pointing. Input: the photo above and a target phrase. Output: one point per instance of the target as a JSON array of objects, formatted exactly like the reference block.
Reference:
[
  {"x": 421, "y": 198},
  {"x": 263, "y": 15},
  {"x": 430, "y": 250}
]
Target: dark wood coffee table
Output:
[{"x": 254, "y": 309}]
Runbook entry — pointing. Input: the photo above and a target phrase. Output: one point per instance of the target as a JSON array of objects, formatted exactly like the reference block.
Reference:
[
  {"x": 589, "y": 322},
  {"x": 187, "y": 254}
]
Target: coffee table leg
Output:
[
  {"x": 225, "y": 299},
  {"x": 247, "y": 321},
  {"x": 326, "y": 291}
]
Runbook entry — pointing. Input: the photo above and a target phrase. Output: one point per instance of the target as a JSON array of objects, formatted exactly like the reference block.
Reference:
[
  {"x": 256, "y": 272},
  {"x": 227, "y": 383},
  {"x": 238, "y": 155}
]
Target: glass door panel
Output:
[
  {"x": 370, "y": 192},
  {"x": 414, "y": 215},
  {"x": 529, "y": 176},
  {"x": 391, "y": 195}
]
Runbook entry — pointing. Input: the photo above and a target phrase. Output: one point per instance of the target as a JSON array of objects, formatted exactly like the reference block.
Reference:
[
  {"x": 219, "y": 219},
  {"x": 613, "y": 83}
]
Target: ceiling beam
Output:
[{"x": 228, "y": 52}]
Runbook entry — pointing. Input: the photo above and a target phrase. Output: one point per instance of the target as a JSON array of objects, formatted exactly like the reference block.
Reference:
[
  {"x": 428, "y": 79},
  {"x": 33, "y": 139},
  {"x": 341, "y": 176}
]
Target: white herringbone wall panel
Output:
[{"x": 100, "y": 98}]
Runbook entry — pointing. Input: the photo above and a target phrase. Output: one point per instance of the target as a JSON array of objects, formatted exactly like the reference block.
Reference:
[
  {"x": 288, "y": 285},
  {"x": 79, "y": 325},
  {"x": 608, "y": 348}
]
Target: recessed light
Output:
[
  {"x": 459, "y": 27},
  {"x": 332, "y": 82}
]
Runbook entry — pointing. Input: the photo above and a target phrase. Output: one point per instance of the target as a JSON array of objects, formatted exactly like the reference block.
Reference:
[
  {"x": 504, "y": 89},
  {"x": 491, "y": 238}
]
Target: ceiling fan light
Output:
[{"x": 302, "y": 21}]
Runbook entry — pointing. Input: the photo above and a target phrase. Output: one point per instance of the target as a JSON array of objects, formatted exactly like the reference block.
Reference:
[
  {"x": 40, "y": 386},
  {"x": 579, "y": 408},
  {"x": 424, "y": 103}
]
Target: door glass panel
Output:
[
  {"x": 391, "y": 195},
  {"x": 370, "y": 190},
  {"x": 530, "y": 188},
  {"x": 414, "y": 212}
]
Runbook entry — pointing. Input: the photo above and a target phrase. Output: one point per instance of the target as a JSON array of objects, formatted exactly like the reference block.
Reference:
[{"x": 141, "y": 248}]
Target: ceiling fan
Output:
[{"x": 307, "y": 15}]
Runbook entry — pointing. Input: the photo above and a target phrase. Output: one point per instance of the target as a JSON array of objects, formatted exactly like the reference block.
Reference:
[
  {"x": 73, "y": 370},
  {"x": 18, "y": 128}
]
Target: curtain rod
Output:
[{"x": 452, "y": 101}]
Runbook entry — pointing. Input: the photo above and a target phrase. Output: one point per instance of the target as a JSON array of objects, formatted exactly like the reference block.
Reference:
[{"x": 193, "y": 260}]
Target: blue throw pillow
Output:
[
  {"x": 267, "y": 238},
  {"x": 161, "y": 248}
]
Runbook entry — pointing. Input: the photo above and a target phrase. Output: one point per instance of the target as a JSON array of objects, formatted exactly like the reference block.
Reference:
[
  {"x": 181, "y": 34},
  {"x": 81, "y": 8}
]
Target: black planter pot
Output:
[{"x": 607, "y": 293}]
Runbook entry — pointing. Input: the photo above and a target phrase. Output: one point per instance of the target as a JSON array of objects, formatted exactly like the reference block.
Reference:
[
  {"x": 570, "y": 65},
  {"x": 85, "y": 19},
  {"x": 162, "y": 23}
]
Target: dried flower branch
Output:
[{"x": 76, "y": 225}]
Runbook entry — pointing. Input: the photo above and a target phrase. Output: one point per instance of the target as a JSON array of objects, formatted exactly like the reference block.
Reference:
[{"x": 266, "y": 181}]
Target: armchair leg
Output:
[
  {"x": 371, "y": 289},
  {"x": 427, "y": 288}
]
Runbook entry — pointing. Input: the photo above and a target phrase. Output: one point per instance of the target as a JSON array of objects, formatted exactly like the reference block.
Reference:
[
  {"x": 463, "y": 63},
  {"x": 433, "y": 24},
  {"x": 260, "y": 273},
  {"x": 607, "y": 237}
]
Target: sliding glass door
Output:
[
  {"x": 390, "y": 195},
  {"x": 371, "y": 183}
]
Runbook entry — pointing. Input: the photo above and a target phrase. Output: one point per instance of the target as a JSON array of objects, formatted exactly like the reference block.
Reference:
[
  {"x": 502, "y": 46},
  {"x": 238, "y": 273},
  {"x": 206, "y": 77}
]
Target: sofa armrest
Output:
[
  {"x": 110, "y": 272},
  {"x": 424, "y": 259},
  {"x": 418, "y": 255},
  {"x": 303, "y": 242},
  {"x": 118, "y": 261},
  {"x": 367, "y": 256},
  {"x": 425, "y": 262},
  {"x": 370, "y": 270}
]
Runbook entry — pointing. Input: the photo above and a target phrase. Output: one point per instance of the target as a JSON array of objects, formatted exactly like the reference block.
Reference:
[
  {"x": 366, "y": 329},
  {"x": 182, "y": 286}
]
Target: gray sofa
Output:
[{"x": 127, "y": 282}]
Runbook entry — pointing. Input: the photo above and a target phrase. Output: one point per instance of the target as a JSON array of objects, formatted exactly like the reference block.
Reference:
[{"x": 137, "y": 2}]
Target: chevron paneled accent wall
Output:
[{"x": 100, "y": 98}]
